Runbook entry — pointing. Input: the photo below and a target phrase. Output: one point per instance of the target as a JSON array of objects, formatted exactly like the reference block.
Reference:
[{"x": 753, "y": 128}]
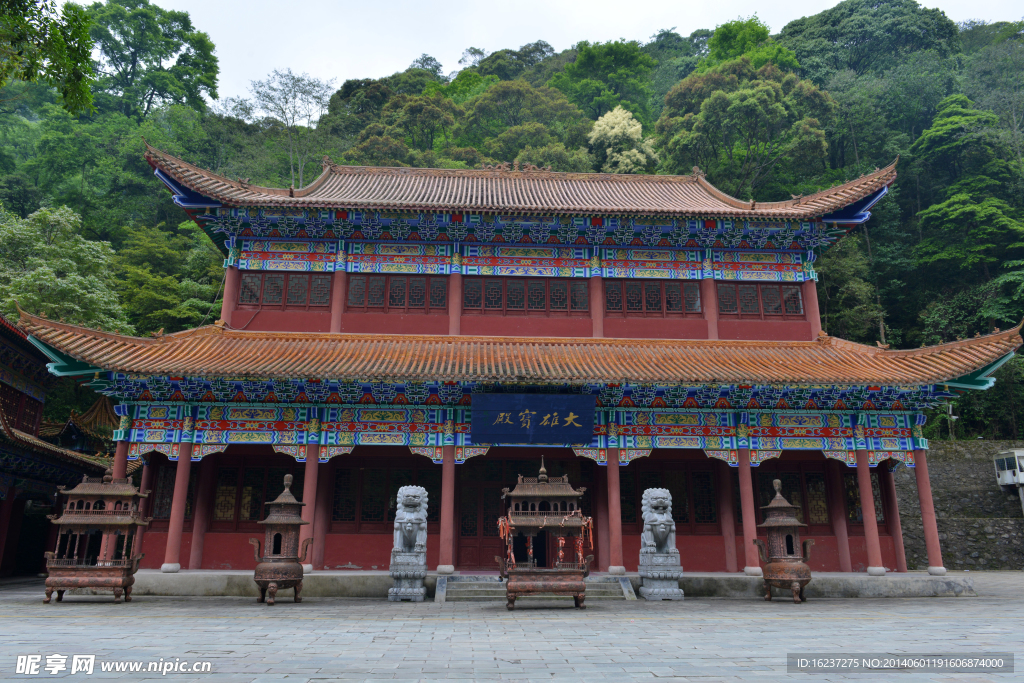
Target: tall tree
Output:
[
  {"x": 867, "y": 36},
  {"x": 40, "y": 43},
  {"x": 750, "y": 37},
  {"x": 149, "y": 56},
  {"x": 297, "y": 102},
  {"x": 608, "y": 75}
]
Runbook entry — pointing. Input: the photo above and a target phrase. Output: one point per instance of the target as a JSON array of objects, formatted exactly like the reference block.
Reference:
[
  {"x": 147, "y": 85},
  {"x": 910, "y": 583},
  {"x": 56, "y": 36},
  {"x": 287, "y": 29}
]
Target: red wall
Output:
[
  {"x": 526, "y": 326},
  {"x": 393, "y": 323},
  {"x": 656, "y": 328},
  {"x": 256, "y": 320},
  {"x": 768, "y": 330}
]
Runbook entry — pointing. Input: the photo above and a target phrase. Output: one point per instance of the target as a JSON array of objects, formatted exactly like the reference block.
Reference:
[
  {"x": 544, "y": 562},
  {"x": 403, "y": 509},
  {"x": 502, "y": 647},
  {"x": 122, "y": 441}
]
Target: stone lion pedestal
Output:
[
  {"x": 409, "y": 555},
  {"x": 660, "y": 566}
]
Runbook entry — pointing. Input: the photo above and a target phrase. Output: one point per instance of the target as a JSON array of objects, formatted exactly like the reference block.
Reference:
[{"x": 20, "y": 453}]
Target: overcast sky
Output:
[{"x": 344, "y": 39}]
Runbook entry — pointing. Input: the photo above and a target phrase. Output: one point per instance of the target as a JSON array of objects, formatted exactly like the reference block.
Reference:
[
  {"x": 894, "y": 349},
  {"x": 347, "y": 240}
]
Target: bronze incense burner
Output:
[
  {"x": 784, "y": 566},
  {"x": 552, "y": 505},
  {"x": 281, "y": 565},
  {"x": 98, "y": 538}
]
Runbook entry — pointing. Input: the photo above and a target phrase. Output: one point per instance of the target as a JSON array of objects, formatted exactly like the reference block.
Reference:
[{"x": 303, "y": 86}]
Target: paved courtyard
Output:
[{"x": 361, "y": 639}]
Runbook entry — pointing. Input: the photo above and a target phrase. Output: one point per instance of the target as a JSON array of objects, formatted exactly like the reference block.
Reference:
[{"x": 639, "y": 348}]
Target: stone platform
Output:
[{"x": 375, "y": 584}]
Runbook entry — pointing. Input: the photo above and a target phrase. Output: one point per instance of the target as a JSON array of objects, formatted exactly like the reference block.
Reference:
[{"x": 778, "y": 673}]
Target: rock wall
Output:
[{"x": 980, "y": 526}]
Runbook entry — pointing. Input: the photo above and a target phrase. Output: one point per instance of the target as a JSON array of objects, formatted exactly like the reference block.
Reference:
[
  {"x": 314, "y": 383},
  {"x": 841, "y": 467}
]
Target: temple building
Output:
[
  {"x": 384, "y": 327},
  {"x": 31, "y": 468}
]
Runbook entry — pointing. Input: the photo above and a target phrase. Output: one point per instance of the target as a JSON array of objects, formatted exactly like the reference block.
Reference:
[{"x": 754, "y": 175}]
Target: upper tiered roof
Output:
[{"x": 513, "y": 191}]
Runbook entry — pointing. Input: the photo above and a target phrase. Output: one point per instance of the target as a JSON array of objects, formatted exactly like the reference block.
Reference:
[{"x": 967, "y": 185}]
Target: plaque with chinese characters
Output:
[{"x": 533, "y": 419}]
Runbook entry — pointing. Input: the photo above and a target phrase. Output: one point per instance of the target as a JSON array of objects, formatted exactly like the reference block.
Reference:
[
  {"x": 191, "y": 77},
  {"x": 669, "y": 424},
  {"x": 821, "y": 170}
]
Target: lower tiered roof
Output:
[{"x": 216, "y": 351}]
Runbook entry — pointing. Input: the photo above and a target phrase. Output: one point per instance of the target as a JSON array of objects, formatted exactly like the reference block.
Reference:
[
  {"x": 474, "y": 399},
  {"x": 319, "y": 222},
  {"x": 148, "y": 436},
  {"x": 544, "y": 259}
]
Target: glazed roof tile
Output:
[
  {"x": 513, "y": 191},
  {"x": 215, "y": 351},
  {"x": 91, "y": 463}
]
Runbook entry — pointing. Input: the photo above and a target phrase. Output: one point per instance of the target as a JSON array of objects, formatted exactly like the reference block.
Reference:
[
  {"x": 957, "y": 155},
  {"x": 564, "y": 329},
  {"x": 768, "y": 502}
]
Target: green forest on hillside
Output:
[{"x": 88, "y": 235}]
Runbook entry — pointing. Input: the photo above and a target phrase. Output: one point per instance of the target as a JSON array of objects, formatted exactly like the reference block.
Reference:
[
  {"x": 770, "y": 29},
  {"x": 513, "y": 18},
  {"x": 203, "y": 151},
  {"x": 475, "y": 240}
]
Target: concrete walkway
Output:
[{"x": 343, "y": 639}]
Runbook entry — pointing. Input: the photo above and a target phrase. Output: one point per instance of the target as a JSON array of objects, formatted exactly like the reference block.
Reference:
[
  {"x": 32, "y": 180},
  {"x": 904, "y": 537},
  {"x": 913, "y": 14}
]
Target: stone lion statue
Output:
[
  {"x": 411, "y": 519},
  {"x": 659, "y": 535}
]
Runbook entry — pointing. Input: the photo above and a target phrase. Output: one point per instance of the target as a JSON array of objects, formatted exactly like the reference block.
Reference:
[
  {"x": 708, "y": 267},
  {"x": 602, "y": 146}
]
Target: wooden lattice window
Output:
[
  {"x": 397, "y": 294},
  {"x": 163, "y": 490},
  {"x": 226, "y": 494},
  {"x": 285, "y": 290},
  {"x": 760, "y": 301},
  {"x": 525, "y": 296},
  {"x": 364, "y": 499},
  {"x": 652, "y": 298},
  {"x": 801, "y": 486},
  {"x": 854, "y": 512},
  {"x": 694, "y": 495}
]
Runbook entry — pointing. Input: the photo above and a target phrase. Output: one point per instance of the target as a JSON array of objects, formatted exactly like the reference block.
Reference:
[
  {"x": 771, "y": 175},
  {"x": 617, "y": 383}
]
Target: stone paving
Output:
[{"x": 338, "y": 639}]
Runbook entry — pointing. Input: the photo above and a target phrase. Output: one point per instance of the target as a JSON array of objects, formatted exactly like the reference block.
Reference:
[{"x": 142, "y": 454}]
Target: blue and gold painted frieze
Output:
[{"x": 371, "y": 226}]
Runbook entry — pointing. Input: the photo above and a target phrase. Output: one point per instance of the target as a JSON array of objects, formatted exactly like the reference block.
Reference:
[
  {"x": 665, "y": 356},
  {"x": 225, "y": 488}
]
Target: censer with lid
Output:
[
  {"x": 281, "y": 564},
  {"x": 785, "y": 564}
]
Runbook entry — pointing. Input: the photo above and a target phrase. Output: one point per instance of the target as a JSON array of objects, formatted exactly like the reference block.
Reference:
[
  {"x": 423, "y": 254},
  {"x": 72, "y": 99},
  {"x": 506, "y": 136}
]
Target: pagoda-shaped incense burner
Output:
[
  {"x": 552, "y": 505},
  {"x": 785, "y": 565},
  {"x": 96, "y": 544},
  {"x": 281, "y": 564}
]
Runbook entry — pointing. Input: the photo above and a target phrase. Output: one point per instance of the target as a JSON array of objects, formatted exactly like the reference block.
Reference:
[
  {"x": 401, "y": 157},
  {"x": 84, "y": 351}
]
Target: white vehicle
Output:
[{"x": 1010, "y": 472}]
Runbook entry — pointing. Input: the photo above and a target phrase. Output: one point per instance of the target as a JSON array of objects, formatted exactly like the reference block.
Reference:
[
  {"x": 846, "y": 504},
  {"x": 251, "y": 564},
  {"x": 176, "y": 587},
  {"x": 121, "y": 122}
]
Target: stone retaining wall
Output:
[{"x": 980, "y": 526}]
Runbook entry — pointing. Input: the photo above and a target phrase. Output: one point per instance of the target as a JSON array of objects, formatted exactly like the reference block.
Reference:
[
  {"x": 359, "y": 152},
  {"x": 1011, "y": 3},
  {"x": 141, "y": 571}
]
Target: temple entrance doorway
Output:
[{"x": 479, "y": 503}]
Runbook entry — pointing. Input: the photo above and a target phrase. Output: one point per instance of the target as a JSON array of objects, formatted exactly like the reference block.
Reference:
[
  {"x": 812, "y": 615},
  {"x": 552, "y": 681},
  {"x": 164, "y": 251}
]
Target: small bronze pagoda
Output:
[
  {"x": 545, "y": 504},
  {"x": 96, "y": 544},
  {"x": 281, "y": 565},
  {"x": 784, "y": 565}
]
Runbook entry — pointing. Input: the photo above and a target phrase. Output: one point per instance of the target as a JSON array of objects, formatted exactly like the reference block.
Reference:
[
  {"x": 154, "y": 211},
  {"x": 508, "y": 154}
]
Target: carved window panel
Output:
[
  {"x": 429, "y": 477},
  {"x": 374, "y": 503},
  {"x": 273, "y": 289},
  {"x": 397, "y": 294},
  {"x": 343, "y": 505},
  {"x": 252, "y": 286},
  {"x": 253, "y": 483},
  {"x": 298, "y": 290},
  {"x": 652, "y": 298},
  {"x": 285, "y": 290},
  {"x": 225, "y": 495},
  {"x": 853, "y": 507},
  {"x": 492, "y": 504},
  {"x": 468, "y": 503},
  {"x": 705, "y": 500},
  {"x": 525, "y": 296},
  {"x": 817, "y": 502},
  {"x": 630, "y": 501},
  {"x": 765, "y": 301},
  {"x": 163, "y": 492}
]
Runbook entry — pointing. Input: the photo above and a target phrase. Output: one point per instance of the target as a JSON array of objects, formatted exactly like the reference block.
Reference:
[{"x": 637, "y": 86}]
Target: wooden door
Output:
[{"x": 480, "y": 505}]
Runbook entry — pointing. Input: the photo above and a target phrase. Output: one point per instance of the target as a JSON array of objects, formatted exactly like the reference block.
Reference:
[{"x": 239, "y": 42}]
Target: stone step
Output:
[
  {"x": 500, "y": 597},
  {"x": 479, "y": 591},
  {"x": 475, "y": 592}
]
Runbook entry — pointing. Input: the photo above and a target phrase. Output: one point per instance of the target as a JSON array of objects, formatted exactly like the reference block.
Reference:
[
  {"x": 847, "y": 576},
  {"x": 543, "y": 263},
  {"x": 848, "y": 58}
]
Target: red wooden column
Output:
[
  {"x": 709, "y": 302},
  {"x": 867, "y": 510},
  {"x": 454, "y": 313},
  {"x": 446, "y": 557},
  {"x": 887, "y": 480},
  {"x": 205, "y": 491},
  {"x": 751, "y": 564},
  {"x": 309, "y": 491},
  {"x": 931, "y": 529},
  {"x": 322, "y": 514},
  {"x": 172, "y": 553},
  {"x": 615, "y": 563},
  {"x": 810, "y": 294},
  {"x": 144, "y": 504},
  {"x": 597, "y": 306},
  {"x": 726, "y": 515},
  {"x": 232, "y": 283},
  {"x": 339, "y": 291},
  {"x": 603, "y": 541},
  {"x": 837, "y": 511},
  {"x": 121, "y": 460}
]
